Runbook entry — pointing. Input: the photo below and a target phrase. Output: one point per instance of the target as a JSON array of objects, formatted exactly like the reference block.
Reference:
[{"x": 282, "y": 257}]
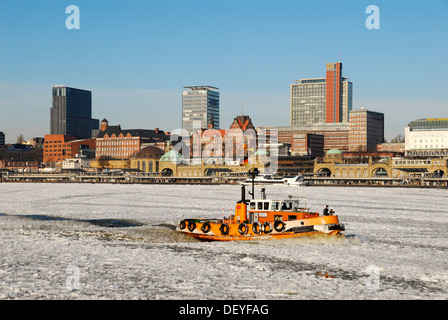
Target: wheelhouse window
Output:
[
  {"x": 286, "y": 206},
  {"x": 275, "y": 205},
  {"x": 292, "y": 205}
]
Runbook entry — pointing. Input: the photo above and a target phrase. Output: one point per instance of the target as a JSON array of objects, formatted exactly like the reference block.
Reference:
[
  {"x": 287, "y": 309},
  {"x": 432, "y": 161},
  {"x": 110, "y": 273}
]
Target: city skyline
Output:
[{"x": 137, "y": 56}]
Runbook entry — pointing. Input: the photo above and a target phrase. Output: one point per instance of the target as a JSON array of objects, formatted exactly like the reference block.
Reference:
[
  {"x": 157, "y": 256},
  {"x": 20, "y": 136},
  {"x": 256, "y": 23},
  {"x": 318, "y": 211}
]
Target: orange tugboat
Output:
[{"x": 263, "y": 219}]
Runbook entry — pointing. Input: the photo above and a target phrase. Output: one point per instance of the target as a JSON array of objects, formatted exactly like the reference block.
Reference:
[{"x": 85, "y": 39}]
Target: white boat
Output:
[
  {"x": 296, "y": 181},
  {"x": 265, "y": 178}
]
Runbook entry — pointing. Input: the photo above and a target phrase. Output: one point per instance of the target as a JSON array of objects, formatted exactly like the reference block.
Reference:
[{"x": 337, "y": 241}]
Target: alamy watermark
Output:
[
  {"x": 373, "y": 280},
  {"x": 227, "y": 147},
  {"x": 72, "y": 283},
  {"x": 73, "y": 20},
  {"x": 373, "y": 20}
]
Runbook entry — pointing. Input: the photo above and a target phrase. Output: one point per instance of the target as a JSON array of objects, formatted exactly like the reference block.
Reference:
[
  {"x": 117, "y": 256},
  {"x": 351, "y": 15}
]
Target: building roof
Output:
[
  {"x": 429, "y": 124},
  {"x": 334, "y": 151},
  {"x": 201, "y": 88},
  {"x": 155, "y": 135},
  {"x": 150, "y": 152},
  {"x": 173, "y": 156},
  {"x": 243, "y": 122}
]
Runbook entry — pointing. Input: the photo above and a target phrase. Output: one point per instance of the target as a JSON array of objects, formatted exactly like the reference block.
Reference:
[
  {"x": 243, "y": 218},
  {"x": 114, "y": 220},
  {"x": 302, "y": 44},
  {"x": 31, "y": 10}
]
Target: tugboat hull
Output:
[{"x": 222, "y": 230}]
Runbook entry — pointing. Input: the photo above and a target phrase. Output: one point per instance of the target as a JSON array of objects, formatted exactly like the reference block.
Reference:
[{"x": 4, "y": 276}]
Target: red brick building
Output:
[
  {"x": 116, "y": 143},
  {"x": 314, "y": 140},
  {"x": 395, "y": 147},
  {"x": 242, "y": 122},
  {"x": 58, "y": 147}
]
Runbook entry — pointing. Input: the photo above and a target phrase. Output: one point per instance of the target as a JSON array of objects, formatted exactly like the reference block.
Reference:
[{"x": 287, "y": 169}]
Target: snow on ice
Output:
[{"x": 108, "y": 241}]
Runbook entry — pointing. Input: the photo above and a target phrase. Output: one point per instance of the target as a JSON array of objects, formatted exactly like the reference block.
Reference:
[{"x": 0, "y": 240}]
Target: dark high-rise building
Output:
[
  {"x": 366, "y": 130},
  {"x": 2, "y": 139},
  {"x": 71, "y": 113}
]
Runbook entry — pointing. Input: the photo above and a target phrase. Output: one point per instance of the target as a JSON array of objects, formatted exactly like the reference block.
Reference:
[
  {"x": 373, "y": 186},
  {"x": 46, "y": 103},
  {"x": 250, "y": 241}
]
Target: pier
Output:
[
  {"x": 101, "y": 178},
  {"x": 415, "y": 180}
]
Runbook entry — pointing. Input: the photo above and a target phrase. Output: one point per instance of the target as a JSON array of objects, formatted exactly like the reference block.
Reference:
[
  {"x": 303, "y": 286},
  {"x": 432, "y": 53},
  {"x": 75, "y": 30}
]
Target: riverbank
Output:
[{"x": 199, "y": 182}]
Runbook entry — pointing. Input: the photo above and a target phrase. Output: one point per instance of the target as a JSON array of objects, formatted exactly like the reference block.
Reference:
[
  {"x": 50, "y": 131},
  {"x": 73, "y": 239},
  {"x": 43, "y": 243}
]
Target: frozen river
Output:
[{"x": 105, "y": 241}]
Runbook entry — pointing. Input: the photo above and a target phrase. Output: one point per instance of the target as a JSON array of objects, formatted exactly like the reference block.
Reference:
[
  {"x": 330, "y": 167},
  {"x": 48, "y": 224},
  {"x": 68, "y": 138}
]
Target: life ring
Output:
[
  {"x": 206, "y": 227},
  {"x": 182, "y": 225},
  {"x": 279, "y": 226},
  {"x": 191, "y": 226},
  {"x": 256, "y": 227},
  {"x": 224, "y": 228},
  {"x": 267, "y": 227},
  {"x": 242, "y": 228}
]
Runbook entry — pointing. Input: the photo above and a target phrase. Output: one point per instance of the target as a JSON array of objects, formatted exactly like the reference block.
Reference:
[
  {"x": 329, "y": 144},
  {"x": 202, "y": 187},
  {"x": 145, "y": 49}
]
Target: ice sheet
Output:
[{"x": 111, "y": 241}]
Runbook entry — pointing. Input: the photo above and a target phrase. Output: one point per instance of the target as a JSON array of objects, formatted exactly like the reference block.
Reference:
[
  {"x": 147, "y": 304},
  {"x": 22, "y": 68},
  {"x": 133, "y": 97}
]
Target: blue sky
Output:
[{"x": 136, "y": 57}]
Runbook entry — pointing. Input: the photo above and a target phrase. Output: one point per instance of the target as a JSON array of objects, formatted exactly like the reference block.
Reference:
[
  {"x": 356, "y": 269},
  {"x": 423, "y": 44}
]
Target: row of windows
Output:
[
  {"x": 292, "y": 205},
  {"x": 147, "y": 166},
  {"x": 421, "y": 162},
  {"x": 54, "y": 155},
  {"x": 431, "y": 146},
  {"x": 428, "y": 153},
  {"x": 117, "y": 143},
  {"x": 116, "y": 154},
  {"x": 105, "y": 149},
  {"x": 426, "y": 135},
  {"x": 426, "y": 141}
]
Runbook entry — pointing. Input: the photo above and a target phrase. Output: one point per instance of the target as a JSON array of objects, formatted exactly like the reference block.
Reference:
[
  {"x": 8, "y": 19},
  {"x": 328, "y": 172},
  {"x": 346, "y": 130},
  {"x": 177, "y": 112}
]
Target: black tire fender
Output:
[
  {"x": 191, "y": 226},
  {"x": 224, "y": 228},
  {"x": 242, "y": 228},
  {"x": 256, "y": 227},
  {"x": 279, "y": 226},
  {"x": 267, "y": 227},
  {"x": 206, "y": 227},
  {"x": 182, "y": 225}
]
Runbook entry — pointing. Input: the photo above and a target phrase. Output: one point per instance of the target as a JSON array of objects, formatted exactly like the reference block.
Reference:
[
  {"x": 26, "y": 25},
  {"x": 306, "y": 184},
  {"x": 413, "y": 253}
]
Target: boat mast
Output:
[{"x": 253, "y": 172}]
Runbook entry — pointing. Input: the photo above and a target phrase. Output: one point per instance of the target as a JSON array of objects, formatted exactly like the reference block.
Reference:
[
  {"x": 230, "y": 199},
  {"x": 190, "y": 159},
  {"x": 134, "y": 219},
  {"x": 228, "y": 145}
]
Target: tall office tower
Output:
[
  {"x": 71, "y": 113},
  {"x": 200, "y": 104},
  {"x": 2, "y": 139},
  {"x": 366, "y": 130},
  {"x": 308, "y": 102},
  {"x": 347, "y": 99},
  {"x": 333, "y": 96},
  {"x": 321, "y": 100}
]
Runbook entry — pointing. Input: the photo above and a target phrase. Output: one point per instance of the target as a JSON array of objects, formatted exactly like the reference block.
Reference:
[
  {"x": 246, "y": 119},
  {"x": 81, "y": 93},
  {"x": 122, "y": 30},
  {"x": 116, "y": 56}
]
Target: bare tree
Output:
[
  {"x": 20, "y": 139},
  {"x": 103, "y": 161},
  {"x": 398, "y": 138}
]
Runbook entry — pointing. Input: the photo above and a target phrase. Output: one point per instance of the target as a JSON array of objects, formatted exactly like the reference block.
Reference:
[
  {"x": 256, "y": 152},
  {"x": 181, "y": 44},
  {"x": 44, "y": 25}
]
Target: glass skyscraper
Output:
[
  {"x": 200, "y": 108},
  {"x": 71, "y": 112}
]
